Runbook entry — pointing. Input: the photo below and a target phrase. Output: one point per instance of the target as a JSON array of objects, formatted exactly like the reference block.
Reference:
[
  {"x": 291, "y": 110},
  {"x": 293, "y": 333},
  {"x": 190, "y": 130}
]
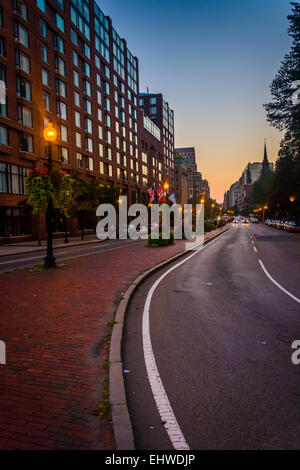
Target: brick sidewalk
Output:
[{"x": 54, "y": 325}]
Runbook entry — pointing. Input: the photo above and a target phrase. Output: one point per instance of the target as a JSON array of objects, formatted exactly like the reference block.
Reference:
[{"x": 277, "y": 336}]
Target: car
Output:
[
  {"x": 245, "y": 220},
  {"x": 267, "y": 222},
  {"x": 236, "y": 220},
  {"x": 254, "y": 220},
  {"x": 280, "y": 224},
  {"x": 292, "y": 227}
]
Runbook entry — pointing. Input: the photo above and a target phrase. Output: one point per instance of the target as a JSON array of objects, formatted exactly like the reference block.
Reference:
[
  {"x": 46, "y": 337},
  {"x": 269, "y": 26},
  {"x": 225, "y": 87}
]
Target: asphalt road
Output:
[
  {"x": 24, "y": 260},
  {"x": 221, "y": 334}
]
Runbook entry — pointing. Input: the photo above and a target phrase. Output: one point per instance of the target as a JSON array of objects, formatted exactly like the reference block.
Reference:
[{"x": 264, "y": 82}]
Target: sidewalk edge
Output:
[
  {"x": 122, "y": 426},
  {"x": 44, "y": 248}
]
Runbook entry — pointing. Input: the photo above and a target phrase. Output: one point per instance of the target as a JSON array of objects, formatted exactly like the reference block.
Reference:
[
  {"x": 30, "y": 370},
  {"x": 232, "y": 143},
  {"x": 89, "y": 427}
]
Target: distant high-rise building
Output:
[
  {"x": 181, "y": 180},
  {"x": 197, "y": 187}
]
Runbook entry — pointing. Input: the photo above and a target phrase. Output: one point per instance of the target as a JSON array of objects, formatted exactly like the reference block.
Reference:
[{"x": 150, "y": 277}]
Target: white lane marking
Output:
[
  {"x": 254, "y": 248},
  {"x": 277, "y": 284},
  {"x": 162, "y": 402}
]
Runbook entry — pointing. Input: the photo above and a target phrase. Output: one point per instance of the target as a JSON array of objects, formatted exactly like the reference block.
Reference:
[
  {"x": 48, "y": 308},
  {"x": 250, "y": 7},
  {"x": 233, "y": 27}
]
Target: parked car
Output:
[
  {"x": 254, "y": 220},
  {"x": 280, "y": 224},
  {"x": 292, "y": 227}
]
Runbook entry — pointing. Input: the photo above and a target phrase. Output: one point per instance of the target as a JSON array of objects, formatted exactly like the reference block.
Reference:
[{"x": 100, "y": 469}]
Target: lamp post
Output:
[
  {"x": 265, "y": 208},
  {"x": 292, "y": 199},
  {"x": 50, "y": 137}
]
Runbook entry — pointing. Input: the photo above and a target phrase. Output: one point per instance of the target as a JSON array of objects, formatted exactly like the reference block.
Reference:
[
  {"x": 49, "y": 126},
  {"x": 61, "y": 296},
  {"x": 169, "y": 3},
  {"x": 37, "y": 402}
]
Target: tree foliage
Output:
[{"x": 284, "y": 115}]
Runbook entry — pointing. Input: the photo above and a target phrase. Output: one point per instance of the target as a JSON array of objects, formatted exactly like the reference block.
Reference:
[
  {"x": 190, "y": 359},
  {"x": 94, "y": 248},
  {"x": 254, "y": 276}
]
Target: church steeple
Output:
[{"x": 265, "y": 163}]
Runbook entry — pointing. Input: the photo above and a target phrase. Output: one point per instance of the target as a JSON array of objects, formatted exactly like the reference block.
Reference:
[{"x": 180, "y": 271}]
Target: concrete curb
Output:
[{"x": 120, "y": 415}]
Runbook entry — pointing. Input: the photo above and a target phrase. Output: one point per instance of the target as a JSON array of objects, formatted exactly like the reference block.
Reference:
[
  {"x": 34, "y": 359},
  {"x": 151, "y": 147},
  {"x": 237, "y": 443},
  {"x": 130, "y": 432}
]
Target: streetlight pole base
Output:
[{"x": 49, "y": 262}]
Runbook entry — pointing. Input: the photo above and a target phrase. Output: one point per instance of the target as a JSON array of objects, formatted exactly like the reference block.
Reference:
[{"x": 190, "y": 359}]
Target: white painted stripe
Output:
[
  {"x": 277, "y": 284},
  {"x": 254, "y": 248},
  {"x": 162, "y": 402}
]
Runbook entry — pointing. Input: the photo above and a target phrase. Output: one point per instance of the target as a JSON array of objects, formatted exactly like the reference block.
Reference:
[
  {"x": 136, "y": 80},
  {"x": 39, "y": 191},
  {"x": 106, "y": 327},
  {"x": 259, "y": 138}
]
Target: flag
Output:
[
  {"x": 151, "y": 193},
  {"x": 160, "y": 194},
  {"x": 172, "y": 198}
]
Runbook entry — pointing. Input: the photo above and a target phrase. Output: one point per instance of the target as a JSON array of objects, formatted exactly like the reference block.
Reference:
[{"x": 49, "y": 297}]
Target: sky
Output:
[{"x": 214, "y": 61}]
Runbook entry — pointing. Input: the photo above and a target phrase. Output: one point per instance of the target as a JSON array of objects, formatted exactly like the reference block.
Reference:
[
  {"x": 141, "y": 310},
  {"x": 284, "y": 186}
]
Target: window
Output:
[
  {"x": 108, "y": 137},
  {"x": 2, "y": 47},
  {"x": 76, "y": 99},
  {"x": 98, "y": 80},
  {"x": 106, "y": 104},
  {"x": 79, "y": 160},
  {"x": 106, "y": 88},
  {"x": 74, "y": 37},
  {"x": 78, "y": 139},
  {"x": 45, "y": 77},
  {"x": 64, "y": 154},
  {"x": 153, "y": 110},
  {"x": 87, "y": 106},
  {"x": 25, "y": 115},
  {"x": 43, "y": 28},
  {"x": 88, "y": 125},
  {"x": 108, "y": 153},
  {"x": 22, "y": 61},
  {"x": 60, "y": 66},
  {"x": 42, "y": 5},
  {"x": 46, "y": 101},
  {"x": 80, "y": 23},
  {"x": 44, "y": 52},
  {"x": 107, "y": 120},
  {"x": 100, "y": 132},
  {"x": 86, "y": 69},
  {"x": 77, "y": 119},
  {"x": 60, "y": 87},
  {"x": 75, "y": 58},
  {"x": 63, "y": 133},
  {"x": 25, "y": 142},
  {"x": 101, "y": 153},
  {"x": 20, "y": 7},
  {"x": 88, "y": 144},
  {"x": 99, "y": 115},
  {"x": 141, "y": 101},
  {"x": 89, "y": 163},
  {"x": 87, "y": 89},
  {"x": 58, "y": 21},
  {"x": 76, "y": 78},
  {"x": 12, "y": 178},
  {"x": 99, "y": 99},
  {"x": 58, "y": 43},
  {"x": 153, "y": 100},
  {"x": 60, "y": 4},
  {"x": 21, "y": 34},
  {"x": 86, "y": 49},
  {"x": 3, "y": 135},
  {"x": 61, "y": 110}
]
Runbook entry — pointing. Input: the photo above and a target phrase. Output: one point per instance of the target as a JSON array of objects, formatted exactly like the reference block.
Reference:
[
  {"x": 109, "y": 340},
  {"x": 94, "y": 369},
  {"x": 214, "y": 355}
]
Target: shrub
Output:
[{"x": 161, "y": 241}]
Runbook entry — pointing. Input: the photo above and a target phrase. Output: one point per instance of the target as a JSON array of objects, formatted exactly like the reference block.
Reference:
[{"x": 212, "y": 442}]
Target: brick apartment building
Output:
[
  {"x": 62, "y": 60},
  {"x": 157, "y": 109}
]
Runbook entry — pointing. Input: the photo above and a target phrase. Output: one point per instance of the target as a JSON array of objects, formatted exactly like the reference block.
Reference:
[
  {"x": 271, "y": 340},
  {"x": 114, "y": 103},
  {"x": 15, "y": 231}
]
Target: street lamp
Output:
[{"x": 50, "y": 135}]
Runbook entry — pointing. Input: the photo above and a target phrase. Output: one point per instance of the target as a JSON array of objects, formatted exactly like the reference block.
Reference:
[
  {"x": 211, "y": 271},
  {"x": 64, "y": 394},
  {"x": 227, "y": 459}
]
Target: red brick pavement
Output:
[{"x": 54, "y": 325}]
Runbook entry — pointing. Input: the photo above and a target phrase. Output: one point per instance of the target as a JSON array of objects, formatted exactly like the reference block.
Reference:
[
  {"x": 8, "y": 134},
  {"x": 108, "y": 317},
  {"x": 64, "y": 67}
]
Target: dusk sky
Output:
[{"x": 213, "y": 60}]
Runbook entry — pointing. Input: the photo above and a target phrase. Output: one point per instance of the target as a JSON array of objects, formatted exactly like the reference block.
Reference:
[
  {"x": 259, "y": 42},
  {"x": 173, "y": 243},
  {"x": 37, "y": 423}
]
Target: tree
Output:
[
  {"x": 88, "y": 195},
  {"x": 284, "y": 115}
]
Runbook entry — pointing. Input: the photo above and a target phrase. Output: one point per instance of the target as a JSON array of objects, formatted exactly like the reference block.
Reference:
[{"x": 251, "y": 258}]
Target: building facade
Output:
[
  {"x": 181, "y": 181},
  {"x": 197, "y": 186},
  {"x": 62, "y": 60},
  {"x": 158, "y": 110}
]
